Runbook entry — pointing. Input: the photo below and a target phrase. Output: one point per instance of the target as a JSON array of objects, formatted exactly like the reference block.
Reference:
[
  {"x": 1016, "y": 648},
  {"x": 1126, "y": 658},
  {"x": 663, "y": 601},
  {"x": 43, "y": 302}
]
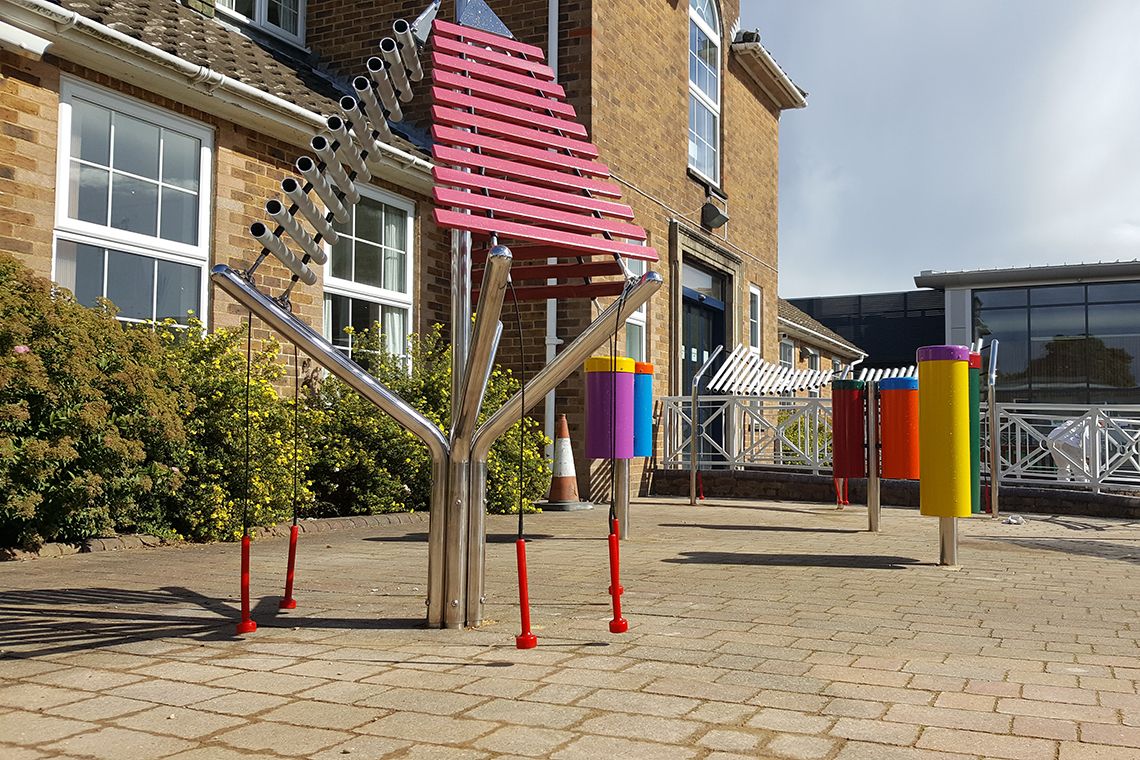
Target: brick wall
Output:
[{"x": 247, "y": 170}]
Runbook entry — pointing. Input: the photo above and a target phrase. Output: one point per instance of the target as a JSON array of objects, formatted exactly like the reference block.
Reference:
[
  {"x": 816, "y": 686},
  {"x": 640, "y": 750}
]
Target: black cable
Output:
[
  {"x": 296, "y": 425},
  {"x": 248, "y": 369},
  {"x": 613, "y": 410},
  {"x": 522, "y": 399}
]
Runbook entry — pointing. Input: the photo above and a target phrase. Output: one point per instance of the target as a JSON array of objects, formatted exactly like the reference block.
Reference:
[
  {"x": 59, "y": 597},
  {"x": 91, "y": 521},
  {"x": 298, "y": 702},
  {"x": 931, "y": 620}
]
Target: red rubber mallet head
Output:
[
  {"x": 246, "y": 625},
  {"x": 288, "y": 602},
  {"x": 618, "y": 624},
  {"x": 526, "y": 639}
]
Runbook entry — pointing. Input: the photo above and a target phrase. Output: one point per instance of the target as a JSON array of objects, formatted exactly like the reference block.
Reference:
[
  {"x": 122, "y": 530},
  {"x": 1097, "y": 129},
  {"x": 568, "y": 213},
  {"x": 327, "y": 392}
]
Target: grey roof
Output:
[
  {"x": 794, "y": 316},
  {"x": 1100, "y": 270},
  {"x": 255, "y": 59}
]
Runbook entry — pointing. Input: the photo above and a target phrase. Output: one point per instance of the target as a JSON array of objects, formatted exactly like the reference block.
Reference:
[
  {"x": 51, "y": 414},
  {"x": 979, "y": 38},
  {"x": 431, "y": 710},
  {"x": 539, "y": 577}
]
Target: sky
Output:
[{"x": 953, "y": 134}]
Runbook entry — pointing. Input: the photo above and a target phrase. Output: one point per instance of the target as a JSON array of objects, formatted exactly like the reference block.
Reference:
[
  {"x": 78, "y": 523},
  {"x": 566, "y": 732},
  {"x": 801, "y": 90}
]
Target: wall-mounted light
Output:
[{"x": 711, "y": 216}]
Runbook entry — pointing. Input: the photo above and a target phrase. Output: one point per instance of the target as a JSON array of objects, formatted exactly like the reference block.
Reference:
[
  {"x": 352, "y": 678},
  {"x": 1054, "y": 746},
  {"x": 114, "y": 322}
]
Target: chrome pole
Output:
[
  {"x": 568, "y": 360},
  {"x": 995, "y": 432},
  {"x": 948, "y": 541},
  {"x": 621, "y": 501},
  {"x": 873, "y": 492}
]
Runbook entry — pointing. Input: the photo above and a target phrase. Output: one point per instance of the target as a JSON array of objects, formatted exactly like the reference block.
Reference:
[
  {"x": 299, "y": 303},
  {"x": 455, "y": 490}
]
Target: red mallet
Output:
[
  {"x": 246, "y": 625},
  {"x": 289, "y": 603},
  {"x": 526, "y": 639},
  {"x": 618, "y": 624}
]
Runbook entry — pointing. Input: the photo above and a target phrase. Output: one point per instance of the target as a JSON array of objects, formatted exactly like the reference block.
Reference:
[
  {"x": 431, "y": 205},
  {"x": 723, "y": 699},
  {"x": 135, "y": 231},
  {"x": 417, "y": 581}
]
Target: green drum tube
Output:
[
  {"x": 943, "y": 431},
  {"x": 975, "y": 368}
]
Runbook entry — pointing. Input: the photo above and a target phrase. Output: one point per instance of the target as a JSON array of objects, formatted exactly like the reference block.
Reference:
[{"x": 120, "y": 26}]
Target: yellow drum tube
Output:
[{"x": 944, "y": 431}]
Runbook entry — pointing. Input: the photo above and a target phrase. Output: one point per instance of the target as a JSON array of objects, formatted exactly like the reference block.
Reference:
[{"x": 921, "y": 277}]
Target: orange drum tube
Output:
[{"x": 898, "y": 423}]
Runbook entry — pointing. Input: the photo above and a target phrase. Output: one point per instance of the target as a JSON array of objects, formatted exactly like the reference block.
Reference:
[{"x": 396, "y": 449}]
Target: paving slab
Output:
[{"x": 757, "y": 629}]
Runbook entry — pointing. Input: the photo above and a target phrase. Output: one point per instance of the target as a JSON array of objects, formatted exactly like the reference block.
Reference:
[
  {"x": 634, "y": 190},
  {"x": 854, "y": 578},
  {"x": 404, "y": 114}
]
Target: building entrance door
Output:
[{"x": 703, "y": 322}]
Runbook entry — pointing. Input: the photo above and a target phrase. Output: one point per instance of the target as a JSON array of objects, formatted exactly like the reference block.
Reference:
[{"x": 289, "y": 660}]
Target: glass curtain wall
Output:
[{"x": 1077, "y": 344}]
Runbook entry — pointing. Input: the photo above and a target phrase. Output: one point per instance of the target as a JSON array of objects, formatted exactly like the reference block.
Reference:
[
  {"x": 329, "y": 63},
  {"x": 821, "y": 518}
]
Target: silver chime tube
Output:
[
  {"x": 358, "y": 121},
  {"x": 292, "y": 188},
  {"x": 277, "y": 247},
  {"x": 403, "y": 31},
  {"x": 322, "y": 146},
  {"x": 281, "y": 215},
  {"x": 390, "y": 52},
  {"x": 372, "y": 107},
  {"x": 308, "y": 169},
  {"x": 347, "y": 149},
  {"x": 384, "y": 87}
]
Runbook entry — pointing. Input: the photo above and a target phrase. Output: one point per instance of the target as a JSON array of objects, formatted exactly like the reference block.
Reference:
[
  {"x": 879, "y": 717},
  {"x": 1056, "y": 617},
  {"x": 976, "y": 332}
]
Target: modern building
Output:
[
  {"x": 1067, "y": 334},
  {"x": 890, "y": 327},
  {"x": 143, "y": 136}
]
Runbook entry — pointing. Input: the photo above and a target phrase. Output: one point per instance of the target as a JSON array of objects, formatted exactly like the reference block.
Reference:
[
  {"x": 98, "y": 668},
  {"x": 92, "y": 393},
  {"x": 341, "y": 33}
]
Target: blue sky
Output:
[{"x": 953, "y": 134}]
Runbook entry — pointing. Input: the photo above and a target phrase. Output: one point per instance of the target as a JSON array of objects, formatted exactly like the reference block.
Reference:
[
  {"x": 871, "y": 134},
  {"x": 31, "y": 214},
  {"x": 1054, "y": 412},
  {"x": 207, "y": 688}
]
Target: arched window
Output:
[{"x": 704, "y": 90}]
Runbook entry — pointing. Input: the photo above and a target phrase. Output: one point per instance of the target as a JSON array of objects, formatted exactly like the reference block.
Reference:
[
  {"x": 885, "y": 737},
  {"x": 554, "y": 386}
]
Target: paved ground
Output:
[{"x": 757, "y": 630}]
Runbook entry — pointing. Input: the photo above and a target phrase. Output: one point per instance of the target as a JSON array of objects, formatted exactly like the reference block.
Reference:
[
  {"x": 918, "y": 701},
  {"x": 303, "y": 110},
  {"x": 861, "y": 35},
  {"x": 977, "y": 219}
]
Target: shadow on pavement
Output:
[
  {"x": 765, "y": 528},
  {"x": 41, "y": 622},
  {"x": 1101, "y": 549},
  {"x": 492, "y": 538},
  {"x": 863, "y": 561}
]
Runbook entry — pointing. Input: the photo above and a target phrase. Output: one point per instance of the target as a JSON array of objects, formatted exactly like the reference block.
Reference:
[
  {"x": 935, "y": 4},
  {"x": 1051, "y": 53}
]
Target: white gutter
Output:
[
  {"x": 787, "y": 94},
  {"x": 792, "y": 327},
  {"x": 551, "y": 340},
  {"x": 84, "y": 41},
  {"x": 22, "y": 43}
]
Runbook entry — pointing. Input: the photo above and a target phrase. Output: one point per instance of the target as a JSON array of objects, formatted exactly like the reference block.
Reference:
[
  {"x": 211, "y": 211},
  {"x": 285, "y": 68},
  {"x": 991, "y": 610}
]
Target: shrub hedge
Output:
[{"x": 109, "y": 427}]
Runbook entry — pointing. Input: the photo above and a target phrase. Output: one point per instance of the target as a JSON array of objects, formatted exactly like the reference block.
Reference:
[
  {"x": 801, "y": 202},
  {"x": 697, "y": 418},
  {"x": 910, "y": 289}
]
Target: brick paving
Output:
[{"x": 776, "y": 630}]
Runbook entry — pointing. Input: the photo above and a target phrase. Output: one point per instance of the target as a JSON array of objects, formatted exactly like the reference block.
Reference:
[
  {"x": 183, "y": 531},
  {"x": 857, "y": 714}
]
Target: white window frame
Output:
[
  {"x": 789, "y": 344},
  {"x": 259, "y": 20},
  {"x": 813, "y": 358},
  {"x": 757, "y": 294},
  {"x": 638, "y": 267},
  {"x": 383, "y": 296},
  {"x": 701, "y": 97},
  {"x": 105, "y": 236}
]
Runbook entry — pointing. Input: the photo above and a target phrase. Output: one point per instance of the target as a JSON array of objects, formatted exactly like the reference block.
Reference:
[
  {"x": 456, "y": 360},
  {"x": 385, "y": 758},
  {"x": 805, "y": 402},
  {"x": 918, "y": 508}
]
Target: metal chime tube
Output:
[
  {"x": 277, "y": 247},
  {"x": 347, "y": 150},
  {"x": 308, "y": 169},
  {"x": 366, "y": 131},
  {"x": 281, "y": 215},
  {"x": 403, "y": 31},
  {"x": 390, "y": 52},
  {"x": 292, "y": 188},
  {"x": 371, "y": 105},
  {"x": 384, "y": 87},
  {"x": 322, "y": 146}
]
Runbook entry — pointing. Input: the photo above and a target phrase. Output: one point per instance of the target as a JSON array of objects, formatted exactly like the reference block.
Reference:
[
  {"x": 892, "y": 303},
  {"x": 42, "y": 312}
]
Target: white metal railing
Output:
[
  {"x": 748, "y": 431},
  {"x": 1096, "y": 447}
]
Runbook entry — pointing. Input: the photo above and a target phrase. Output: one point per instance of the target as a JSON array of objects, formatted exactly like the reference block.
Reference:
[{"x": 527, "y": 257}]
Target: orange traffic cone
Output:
[{"x": 564, "y": 483}]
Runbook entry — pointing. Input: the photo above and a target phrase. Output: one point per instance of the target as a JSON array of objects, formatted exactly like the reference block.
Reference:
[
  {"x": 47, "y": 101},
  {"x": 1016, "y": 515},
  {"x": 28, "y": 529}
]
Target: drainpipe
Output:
[{"x": 551, "y": 341}]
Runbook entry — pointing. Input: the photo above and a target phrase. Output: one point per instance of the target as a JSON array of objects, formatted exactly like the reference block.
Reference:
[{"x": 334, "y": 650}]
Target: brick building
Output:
[
  {"x": 142, "y": 137},
  {"x": 806, "y": 343}
]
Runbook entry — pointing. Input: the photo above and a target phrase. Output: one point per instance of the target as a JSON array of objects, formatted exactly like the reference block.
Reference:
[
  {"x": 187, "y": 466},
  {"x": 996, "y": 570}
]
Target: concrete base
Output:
[{"x": 563, "y": 506}]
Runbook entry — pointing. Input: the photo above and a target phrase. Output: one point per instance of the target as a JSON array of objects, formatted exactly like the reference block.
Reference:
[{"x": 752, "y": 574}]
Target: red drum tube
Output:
[
  {"x": 848, "y": 429},
  {"x": 898, "y": 425}
]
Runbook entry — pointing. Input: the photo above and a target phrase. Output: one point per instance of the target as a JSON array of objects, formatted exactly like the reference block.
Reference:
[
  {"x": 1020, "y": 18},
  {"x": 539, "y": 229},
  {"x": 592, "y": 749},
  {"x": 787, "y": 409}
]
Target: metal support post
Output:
[
  {"x": 621, "y": 500},
  {"x": 948, "y": 541},
  {"x": 995, "y": 431},
  {"x": 873, "y": 496},
  {"x": 696, "y": 429}
]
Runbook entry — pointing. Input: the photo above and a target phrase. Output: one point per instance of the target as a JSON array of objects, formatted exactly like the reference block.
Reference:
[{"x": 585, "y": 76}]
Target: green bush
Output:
[
  {"x": 365, "y": 463},
  {"x": 106, "y": 426},
  {"x": 88, "y": 422},
  {"x": 211, "y": 503}
]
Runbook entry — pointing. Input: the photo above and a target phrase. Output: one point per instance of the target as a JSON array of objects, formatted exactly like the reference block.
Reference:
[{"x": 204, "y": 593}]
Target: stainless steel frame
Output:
[{"x": 874, "y": 507}]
